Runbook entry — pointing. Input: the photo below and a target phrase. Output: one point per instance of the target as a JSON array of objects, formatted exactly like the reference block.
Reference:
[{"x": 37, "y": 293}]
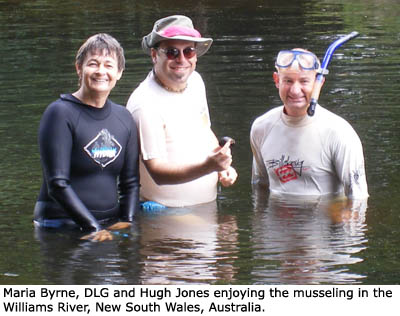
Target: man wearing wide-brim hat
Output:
[{"x": 181, "y": 160}]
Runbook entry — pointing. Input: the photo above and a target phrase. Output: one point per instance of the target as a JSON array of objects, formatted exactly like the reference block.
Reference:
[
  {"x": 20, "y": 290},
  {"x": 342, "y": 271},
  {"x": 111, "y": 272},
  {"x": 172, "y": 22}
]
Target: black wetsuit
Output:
[{"x": 90, "y": 163}]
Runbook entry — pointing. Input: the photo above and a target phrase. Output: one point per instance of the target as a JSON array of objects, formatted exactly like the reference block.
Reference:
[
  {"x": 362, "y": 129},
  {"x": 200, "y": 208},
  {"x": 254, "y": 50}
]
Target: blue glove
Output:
[{"x": 151, "y": 206}]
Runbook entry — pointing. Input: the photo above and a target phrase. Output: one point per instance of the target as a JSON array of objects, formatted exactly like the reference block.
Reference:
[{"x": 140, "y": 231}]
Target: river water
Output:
[{"x": 239, "y": 239}]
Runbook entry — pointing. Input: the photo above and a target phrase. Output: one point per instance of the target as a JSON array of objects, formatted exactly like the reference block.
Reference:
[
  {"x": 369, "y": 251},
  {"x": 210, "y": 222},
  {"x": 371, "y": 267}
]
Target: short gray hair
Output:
[{"x": 101, "y": 43}]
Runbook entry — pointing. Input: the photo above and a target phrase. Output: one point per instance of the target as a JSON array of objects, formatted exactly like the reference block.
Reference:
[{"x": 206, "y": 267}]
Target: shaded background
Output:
[{"x": 282, "y": 242}]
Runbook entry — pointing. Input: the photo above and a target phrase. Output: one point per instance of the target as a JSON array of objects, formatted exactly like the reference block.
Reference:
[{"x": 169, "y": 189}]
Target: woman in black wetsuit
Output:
[{"x": 89, "y": 149}]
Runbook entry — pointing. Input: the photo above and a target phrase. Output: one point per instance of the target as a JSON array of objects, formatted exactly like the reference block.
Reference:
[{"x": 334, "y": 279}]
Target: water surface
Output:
[{"x": 238, "y": 239}]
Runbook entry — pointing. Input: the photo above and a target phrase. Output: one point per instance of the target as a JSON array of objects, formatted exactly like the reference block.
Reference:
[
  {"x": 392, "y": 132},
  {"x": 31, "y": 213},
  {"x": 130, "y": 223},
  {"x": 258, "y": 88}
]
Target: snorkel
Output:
[{"x": 321, "y": 72}]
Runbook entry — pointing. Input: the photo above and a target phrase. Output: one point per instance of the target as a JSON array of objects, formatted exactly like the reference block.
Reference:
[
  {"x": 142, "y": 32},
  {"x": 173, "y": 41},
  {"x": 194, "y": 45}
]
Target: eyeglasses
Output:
[
  {"x": 173, "y": 53},
  {"x": 307, "y": 61}
]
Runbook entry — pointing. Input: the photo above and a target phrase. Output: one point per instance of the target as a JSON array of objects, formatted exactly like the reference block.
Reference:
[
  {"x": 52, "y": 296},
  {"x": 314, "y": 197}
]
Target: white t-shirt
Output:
[
  {"x": 175, "y": 127},
  {"x": 315, "y": 155}
]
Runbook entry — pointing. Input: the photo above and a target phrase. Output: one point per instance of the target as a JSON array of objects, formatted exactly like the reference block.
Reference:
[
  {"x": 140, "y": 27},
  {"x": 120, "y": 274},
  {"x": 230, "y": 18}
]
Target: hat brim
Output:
[{"x": 203, "y": 44}]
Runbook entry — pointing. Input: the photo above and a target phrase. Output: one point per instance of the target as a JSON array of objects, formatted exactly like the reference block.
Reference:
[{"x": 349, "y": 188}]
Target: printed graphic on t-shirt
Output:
[
  {"x": 356, "y": 175},
  {"x": 286, "y": 173},
  {"x": 285, "y": 168},
  {"x": 104, "y": 148}
]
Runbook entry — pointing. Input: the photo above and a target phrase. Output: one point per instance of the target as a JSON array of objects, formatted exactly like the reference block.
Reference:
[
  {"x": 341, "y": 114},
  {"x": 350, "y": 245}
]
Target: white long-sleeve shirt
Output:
[{"x": 306, "y": 155}]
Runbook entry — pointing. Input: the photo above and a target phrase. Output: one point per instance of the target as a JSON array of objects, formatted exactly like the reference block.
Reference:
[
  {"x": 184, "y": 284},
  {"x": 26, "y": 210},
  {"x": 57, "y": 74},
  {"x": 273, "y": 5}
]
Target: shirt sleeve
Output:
[
  {"x": 205, "y": 112},
  {"x": 259, "y": 174},
  {"x": 151, "y": 133},
  {"x": 55, "y": 143},
  {"x": 349, "y": 163},
  {"x": 129, "y": 177}
]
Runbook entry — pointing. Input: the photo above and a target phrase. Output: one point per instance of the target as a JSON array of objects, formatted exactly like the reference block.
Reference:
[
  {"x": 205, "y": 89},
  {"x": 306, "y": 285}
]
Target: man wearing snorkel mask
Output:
[{"x": 294, "y": 153}]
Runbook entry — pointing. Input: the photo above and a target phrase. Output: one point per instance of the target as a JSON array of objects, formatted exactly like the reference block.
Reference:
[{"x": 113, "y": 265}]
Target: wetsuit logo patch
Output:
[{"x": 104, "y": 148}]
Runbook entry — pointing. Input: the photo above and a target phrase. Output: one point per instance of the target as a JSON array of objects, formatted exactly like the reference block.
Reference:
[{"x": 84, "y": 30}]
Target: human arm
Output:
[
  {"x": 165, "y": 172},
  {"x": 185, "y": 165},
  {"x": 349, "y": 162},
  {"x": 55, "y": 143},
  {"x": 347, "y": 211},
  {"x": 129, "y": 176},
  {"x": 259, "y": 174}
]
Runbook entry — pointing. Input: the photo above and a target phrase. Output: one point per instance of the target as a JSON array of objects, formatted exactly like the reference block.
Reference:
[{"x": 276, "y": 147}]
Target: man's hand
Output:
[
  {"x": 227, "y": 177},
  {"x": 220, "y": 159}
]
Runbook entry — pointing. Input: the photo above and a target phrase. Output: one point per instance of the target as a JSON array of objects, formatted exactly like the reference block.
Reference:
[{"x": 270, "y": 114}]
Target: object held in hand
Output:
[{"x": 225, "y": 139}]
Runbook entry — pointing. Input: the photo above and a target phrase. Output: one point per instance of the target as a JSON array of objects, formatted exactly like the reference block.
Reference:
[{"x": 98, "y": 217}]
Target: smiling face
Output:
[
  {"x": 295, "y": 87},
  {"x": 173, "y": 73},
  {"x": 98, "y": 73}
]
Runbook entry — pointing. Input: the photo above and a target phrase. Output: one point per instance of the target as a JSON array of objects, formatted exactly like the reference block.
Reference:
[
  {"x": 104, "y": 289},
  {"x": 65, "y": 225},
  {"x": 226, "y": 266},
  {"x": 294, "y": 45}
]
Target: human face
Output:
[
  {"x": 99, "y": 73},
  {"x": 295, "y": 87},
  {"x": 174, "y": 73}
]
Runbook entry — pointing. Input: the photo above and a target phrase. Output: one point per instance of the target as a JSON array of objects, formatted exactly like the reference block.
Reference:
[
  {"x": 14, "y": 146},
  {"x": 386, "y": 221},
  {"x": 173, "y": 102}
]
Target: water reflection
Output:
[
  {"x": 308, "y": 241},
  {"x": 39, "y": 41},
  {"x": 176, "y": 246},
  {"x": 68, "y": 260},
  {"x": 188, "y": 246}
]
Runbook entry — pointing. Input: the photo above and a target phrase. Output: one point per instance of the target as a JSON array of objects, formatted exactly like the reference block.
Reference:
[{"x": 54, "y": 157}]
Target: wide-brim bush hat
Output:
[{"x": 176, "y": 27}]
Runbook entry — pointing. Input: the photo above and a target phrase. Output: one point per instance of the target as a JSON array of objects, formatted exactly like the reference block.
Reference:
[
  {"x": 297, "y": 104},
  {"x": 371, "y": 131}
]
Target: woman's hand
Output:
[
  {"x": 101, "y": 235},
  {"x": 104, "y": 234},
  {"x": 119, "y": 225}
]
